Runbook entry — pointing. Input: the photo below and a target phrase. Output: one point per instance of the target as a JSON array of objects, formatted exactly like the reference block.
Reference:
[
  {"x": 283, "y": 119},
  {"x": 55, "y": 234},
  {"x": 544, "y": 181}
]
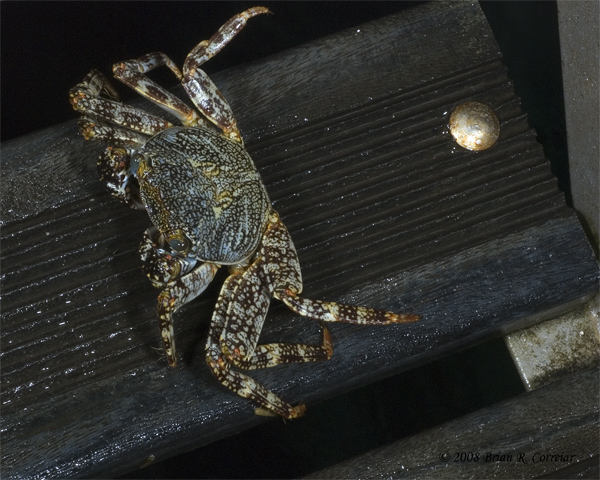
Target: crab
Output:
[{"x": 209, "y": 208}]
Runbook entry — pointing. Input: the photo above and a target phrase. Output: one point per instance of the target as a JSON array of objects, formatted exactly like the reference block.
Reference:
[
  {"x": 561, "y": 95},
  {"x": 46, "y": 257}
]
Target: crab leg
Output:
[
  {"x": 278, "y": 245},
  {"x": 272, "y": 354},
  {"x": 95, "y": 83},
  {"x": 181, "y": 279},
  {"x": 132, "y": 73},
  {"x": 200, "y": 88},
  {"x": 207, "y": 49},
  {"x": 96, "y": 129},
  {"x": 176, "y": 295},
  {"x": 86, "y": 98},
  {"x": 339, "y": 312},
  {"x": 246, "y": 313},
  {"x": 246, "y": 301},
  {"x": 220, "y": 364},
  {"x": 247, "y": 387},
  {"x": 241, "y": 310}
]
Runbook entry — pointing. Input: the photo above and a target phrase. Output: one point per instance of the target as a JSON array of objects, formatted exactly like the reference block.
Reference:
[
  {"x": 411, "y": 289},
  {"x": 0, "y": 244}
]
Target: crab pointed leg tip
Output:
[
  {"x": 257, "y": 11},
  {"x": 403, "y": 318},
  {"x": 298, "y": 411},
  {"x": 264, "y": 412},
  {"x": 295, "y": 412}
]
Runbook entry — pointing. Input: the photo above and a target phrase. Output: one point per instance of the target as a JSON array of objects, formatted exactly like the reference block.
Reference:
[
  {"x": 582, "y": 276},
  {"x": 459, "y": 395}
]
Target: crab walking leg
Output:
[
  {"x": 272, "y": 354},
  {"x": 181, "y": 280},
  {"x": 95, "y": 84},
  {"x": 132, "y": 73},
  {"x": 176, "y": 294},
  {"x": 247, "y": 387},
  {"x": 238, "y": 319},
  {"x": 93, "y": 129},
  {"x": 207, "y": 49},
  {"x": 220, "y": 365},
  {"x": 218, "y": 321},
  {"x": 200, "y": 88},
  {"x": 248, "y": 299},
  {"x": 245, "y": 315},
  {"x": 278, "y": 245},
  {"x": 339, "y": 312},
  {"x": 85, "y": 97},
  {"x": 264, "y": 355}
]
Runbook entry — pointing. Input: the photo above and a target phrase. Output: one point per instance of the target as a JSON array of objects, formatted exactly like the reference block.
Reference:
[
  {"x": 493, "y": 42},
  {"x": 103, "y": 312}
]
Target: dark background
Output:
[{"x": 47, "y": 47}]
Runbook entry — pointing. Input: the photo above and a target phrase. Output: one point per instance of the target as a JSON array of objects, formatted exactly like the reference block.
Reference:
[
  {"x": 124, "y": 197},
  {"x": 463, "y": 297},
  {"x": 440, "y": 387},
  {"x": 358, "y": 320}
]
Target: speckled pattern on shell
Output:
[
  {"x": 209, "y": 188},
  {"x": 209, "y": 208}
]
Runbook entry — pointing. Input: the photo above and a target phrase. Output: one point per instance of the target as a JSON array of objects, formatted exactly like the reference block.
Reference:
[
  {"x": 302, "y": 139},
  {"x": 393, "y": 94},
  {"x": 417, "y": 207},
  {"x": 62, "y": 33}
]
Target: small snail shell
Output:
[{"x": 474, "y": 126}]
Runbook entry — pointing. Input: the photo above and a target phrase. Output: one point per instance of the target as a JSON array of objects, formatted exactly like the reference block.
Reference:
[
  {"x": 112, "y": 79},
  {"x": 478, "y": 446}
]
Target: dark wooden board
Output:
[
  {"x": 551, "y": 432},
  {"x": 350, "y": 135}
]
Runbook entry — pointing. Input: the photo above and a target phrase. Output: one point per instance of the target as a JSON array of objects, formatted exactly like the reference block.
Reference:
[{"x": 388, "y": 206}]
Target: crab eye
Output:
[
  {"x": 136, "y": 160},
  {"x": 179, "y": 242}
]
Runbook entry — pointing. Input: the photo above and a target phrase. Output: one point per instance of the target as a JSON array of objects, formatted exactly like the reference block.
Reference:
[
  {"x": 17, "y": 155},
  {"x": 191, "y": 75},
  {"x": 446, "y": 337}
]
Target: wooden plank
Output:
[
  {"x": 534, "y": 435},
  {"x": 385, "y": 211}
]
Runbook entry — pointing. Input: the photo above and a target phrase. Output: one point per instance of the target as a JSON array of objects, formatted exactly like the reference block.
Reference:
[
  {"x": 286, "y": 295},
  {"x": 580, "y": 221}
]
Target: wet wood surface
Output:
[
  {"x": 540, "y": 434},
  {"x": 350, "y": 136}
]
